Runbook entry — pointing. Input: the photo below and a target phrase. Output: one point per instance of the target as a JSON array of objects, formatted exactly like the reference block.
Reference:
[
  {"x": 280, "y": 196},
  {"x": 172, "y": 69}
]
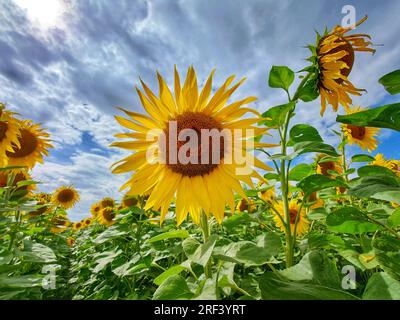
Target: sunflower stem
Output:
[{"x": 205, "y": 228}]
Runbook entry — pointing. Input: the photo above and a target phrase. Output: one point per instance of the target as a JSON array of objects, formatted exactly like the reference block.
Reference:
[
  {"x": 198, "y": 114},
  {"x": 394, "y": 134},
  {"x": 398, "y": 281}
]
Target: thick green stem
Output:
[{"x": 205, "y": 228}]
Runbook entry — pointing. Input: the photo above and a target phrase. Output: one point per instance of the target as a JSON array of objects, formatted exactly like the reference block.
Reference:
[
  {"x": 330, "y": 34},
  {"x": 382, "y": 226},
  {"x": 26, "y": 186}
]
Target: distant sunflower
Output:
[
  {"x": 87, "y": 222},
  {"x": 315, "y": 201},
  {"x": 302, "y": 224},
  {"x": 32, "y": 144},
  {"x": 327, "y": 165},
  {"x": 44, "y": 202},
  {"x": 9, "y": 135},
  {"x": 107, "y": 203},
  {"x": 129, "y": 201},
  {"x": 59, "y": 224},
  {"x": 380, "y": 161},
  {"x": 106, "y": 216},
  {"x": 267, "y": 195},
  {"x": 365, "y": 137},
  {"x": 77, "y": 226},
  {"x": 335, "y": 54},
  {"x": 70, "y": 241},
  {"x": 244, "y": 205},
  {"x": 65, "y": 197},
  {"x": 198, "y": 185},
  {"x": 95, "y": 209},
  {"x": 394, "y": 165}
]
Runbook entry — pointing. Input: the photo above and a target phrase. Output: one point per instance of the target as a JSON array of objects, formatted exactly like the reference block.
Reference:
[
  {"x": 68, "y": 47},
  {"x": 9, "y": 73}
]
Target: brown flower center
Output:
[
  {"x": 78, "y": 225},
  {"x": 129, "y": 201},
  {"x": 28, "y": 142},
  {"x": 357, "y": 132},
  {"x": 107, "y": 203},
  {"x": 66, "y": 195},
  {"x": 203, "y": 157},
  {"x": 243, "y": 205},
  {"x": 109, "y": 215},
  {"x": 293, "y": 214},
  {"x": 3, "y": 129},
  {"x": 326, "y": 166}
]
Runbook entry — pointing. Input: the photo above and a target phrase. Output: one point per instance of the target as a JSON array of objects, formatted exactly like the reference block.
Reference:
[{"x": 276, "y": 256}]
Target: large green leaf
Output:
[
  {"x": 387, "y": 116},
  {"x": 300, "y": 171},
  {"x": 312, "y": 146},
  {"x": 103, "y": 259},
  {"x": 362, "y": 158},
  {"x": 37, "y": 252},
  {"x": 111, "y": 233},
  {"x": 26, "y": 281},
  {"x": 391, "y": 82},
  {"x": 390, "y": 262},
  {"x": 173, "y": 288},
  {"x": 168, "y": 273},
  {"x": 275, "y": 116},
  {"x": 374, "y": 170},
  {"x": 204, "y": 251},
  {"x": 317, "y": 182},
  {"x": 280, "y": 77},
  {"x": 381, "y": 286},
  {"x": 302, "y": 133},
  {"x": 181, "y": 233},
  {"x": 350, "y": 220},
  {"x": 394, "y": 219},
  {"x": 314, "y": 267},
  {"x": 275, "y": 288},
  {"x": 309, "y": 91}
]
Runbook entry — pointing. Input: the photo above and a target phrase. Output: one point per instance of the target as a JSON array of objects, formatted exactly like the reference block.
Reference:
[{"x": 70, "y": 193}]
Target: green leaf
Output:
[
  {"x": 111, "y": 233},
  {"x": 203, "y": 253},
  {"x": 173, "y": 288},
  {"x": 314, "y": 267},
  {"x": 300, "y": 171},
  {"x": 390, "y": 262},
  {"x": 391, "y": 82},
  {"x": 374, "y": 170},
  {"x": 362, "y": 158},
  {"x": 302, "y": 133},
  {"x": 394, "y": 219},
  {"x": 326, "y": 241},
  {"x": 387, "y": 116},
  {"x": 381, "y": 187},
  {"x": 174, "y": 270},
  {"x": 26, "y": 281},
  {"x": 103, "y": 259},
  {"x": 318, "y": 182},
  {"x": 350, "y": 220},
  {"x": 190, "y": 246},
  {"x": 310, "y": 91},
  {"x": 276, "y": 116},
  {"x": 181, "y": 233},
  {"x": 381, "y": 286},
  {"x": 37, "y": 252},
  {"x": 280, "y": 77},
  {"x": 237, "y": 220},
  {"x": 312, "y": 146},
  {"x": 276, "y": 288}
]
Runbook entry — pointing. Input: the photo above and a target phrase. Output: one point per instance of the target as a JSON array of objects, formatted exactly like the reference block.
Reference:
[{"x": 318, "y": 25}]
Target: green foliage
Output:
[
  {"x": 280, "y": 77},
  {"x": 391, "y": 82}
]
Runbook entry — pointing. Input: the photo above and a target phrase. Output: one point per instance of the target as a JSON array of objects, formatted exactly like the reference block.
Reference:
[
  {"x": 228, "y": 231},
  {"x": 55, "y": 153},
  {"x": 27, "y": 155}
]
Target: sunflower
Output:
[
  {"x": 246, "y": 205},
  {"x": 32, "y": 144},
  {"x": 106, "y": 216},
  {"x": 268, "y": 195},
  {"x": 334, "y": 54},
  {"x": 65, "y": 197},
  {"x": 95, "y": 209},
  {"x": 315, "y": 201},
  {"x": 327, "y": 165},
  {"x": 59, "y": 224},
  {"x": 87, "y": 222},
  {"x": 208, "y": 181},
  {"x": 77, "y": 226},
  {"x": 9, "y": 135},
  {"x": 380, "y": 161},
  {"x": 43, "y": 200},
  {"x": 70, "y": 241},
  {"x": 362, "y": 136},
  {"x": 394, "y": 165},
  {"x": 16, "y": 176},
  {"x": 107, "y": 203},
  {"x": 302, "y": 224},
  {"x": 129, "y": 201}
]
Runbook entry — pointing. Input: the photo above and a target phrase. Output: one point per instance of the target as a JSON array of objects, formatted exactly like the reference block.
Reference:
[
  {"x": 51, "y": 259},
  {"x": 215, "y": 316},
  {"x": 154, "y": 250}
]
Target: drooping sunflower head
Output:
[
  {"x": 77, "y": 226},
  {"x": 59, "y": 223},
  {"x": 65, "y": 197},
  {"x": 334, "y": 55},
  {"x": 314, "y": 201},
  {"x": 9, "y": 135},
  {"x": 95, "y": 209},
  {"x": 267, "y": 195},
  {"x": 106, "y": 216},
  {"x": 295, "y": 215},
  {"x": 365, "y": 137},
  {"x": 13, "y": 177},
  {"x": 183, "y": 148},
  {"x": 328, "y": 166},
  {"x": 32, "y": 144},
  {"x": 107, "y": 203},
  {"x": 129, "y": 201}
]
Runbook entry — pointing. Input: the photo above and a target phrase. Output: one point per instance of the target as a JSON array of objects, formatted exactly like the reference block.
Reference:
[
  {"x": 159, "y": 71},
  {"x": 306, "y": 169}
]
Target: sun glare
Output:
[{"x": 45, "y": 13}]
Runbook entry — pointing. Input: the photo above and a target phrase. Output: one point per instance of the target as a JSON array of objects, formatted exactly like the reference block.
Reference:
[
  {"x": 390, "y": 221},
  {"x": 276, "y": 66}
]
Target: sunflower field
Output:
[{"x": 294, "y": 219}]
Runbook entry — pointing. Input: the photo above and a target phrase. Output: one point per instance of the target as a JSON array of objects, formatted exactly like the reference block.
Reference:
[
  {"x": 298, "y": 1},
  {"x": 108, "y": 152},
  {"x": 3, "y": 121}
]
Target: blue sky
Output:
[{"x": 68, "y": 64}]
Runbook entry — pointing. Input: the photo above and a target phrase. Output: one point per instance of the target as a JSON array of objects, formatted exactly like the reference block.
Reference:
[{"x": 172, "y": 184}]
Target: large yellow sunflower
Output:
[
  {"x": 327, "y": 165},
  {"x": 106, "y": 216},
  {"x": 335, "y": 55},
  {"x": 95, "y": 209},
  {"x": 65, "y": 197},
  {"x": 294, "y": 208},
  {"x": 32, "y": 144},
  {"x": 9, "y": 134},
  {"x": 206, "y": 182},
  {"x": 365, "y": 137}
]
